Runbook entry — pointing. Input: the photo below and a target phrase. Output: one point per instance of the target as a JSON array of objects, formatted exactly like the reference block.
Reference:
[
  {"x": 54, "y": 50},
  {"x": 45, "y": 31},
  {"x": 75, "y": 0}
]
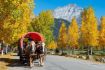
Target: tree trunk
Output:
[
  {"x": 6, "y": 49},
  {"x": 91, "y": 50},
  {"x": 90, "y": 53},
  {"x": 73, "y": 49},
  {"x": 88, "y": 49},
  {"x": 103, "y": 49},
  {"x": 68, "y": 50},
  {"x": 62, "y": 51},
  {"x": 2, "y": 52}
]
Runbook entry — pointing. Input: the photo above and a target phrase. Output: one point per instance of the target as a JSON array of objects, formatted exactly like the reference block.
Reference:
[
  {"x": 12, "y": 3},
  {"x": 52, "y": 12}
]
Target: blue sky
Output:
[{"x": 98, "y": 5}]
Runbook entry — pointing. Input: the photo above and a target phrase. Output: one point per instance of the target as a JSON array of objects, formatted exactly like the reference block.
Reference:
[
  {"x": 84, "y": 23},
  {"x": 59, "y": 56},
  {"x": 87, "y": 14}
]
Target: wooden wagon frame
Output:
[{"x": 34, "y": 36}]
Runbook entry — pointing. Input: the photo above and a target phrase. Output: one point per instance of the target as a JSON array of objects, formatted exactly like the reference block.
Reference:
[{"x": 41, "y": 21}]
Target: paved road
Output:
[{"x": 62, "y": 63}]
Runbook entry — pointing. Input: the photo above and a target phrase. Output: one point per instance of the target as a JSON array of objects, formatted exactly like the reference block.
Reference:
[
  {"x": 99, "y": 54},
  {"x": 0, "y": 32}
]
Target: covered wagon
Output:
[{"x": 35, "y": 36}]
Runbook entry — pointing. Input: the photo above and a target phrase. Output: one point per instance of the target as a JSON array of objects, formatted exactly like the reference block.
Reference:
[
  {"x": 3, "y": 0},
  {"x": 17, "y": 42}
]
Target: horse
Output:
[
  {"x": 32, "y": 54},
  {"x": 41, "y": 52}
]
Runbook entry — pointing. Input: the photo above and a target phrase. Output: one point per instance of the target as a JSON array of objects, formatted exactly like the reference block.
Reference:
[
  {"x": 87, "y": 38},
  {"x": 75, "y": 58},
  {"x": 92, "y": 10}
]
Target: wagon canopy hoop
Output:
[{"x": 33, "y": 35}]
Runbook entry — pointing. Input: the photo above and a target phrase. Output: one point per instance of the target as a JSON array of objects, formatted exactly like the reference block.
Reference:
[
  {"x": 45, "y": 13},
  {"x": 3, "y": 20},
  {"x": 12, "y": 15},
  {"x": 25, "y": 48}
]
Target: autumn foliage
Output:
[
  {"x": 89, "y": 28},
  {"x": 88, "y": 34},
  {"x": 43, "y": 24},
  {"x": 102, "y": 33},
  {"x": 15, "y": 16},
  {"x": 73, "y": 34},
  {"x": 52, "y": 45},
  {"x": 62, "y": 39},
  {"x": 16, "y": 19}
]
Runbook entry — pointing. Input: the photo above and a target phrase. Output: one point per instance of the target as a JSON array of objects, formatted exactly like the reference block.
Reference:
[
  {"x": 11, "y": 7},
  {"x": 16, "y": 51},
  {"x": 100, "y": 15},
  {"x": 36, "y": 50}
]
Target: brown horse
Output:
[
  {"x": 33, "y": 55},
  {"x": 41, "y": 53}
]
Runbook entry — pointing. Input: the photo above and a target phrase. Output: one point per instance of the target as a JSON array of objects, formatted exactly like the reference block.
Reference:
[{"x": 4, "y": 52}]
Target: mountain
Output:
[{"x": 66, "y": 14}]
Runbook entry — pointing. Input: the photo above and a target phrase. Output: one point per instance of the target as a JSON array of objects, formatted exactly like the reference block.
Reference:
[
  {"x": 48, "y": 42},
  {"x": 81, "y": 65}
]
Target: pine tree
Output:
[
  {"x": 89, "y": 30},
  {"x": 102, "y": 33},
  {"x": 73, "y": 34},
  {"x": 62, "y": 39}
]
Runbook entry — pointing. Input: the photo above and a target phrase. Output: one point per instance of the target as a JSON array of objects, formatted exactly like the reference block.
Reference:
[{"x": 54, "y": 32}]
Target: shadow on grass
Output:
[
  {"x": 8, "y": 61},
  {"x": 12, "y": 62},
  {"x": 15, "y": 63}
]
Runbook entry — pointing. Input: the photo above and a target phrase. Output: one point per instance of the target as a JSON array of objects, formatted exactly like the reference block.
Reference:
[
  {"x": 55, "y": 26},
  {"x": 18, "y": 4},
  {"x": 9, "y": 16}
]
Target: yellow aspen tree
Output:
[
  {"x": 15, "y": 16},
  {"x": 73, "y": 34},
  {"x": 62, "y": 39},
  {"x": 89, "y": 29},
  {"x": 102, "y": 33},
  {"x": 52, "y": 45},
  {"x": 44, "y": 24},
  {"x": 83, "y": 38}
]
